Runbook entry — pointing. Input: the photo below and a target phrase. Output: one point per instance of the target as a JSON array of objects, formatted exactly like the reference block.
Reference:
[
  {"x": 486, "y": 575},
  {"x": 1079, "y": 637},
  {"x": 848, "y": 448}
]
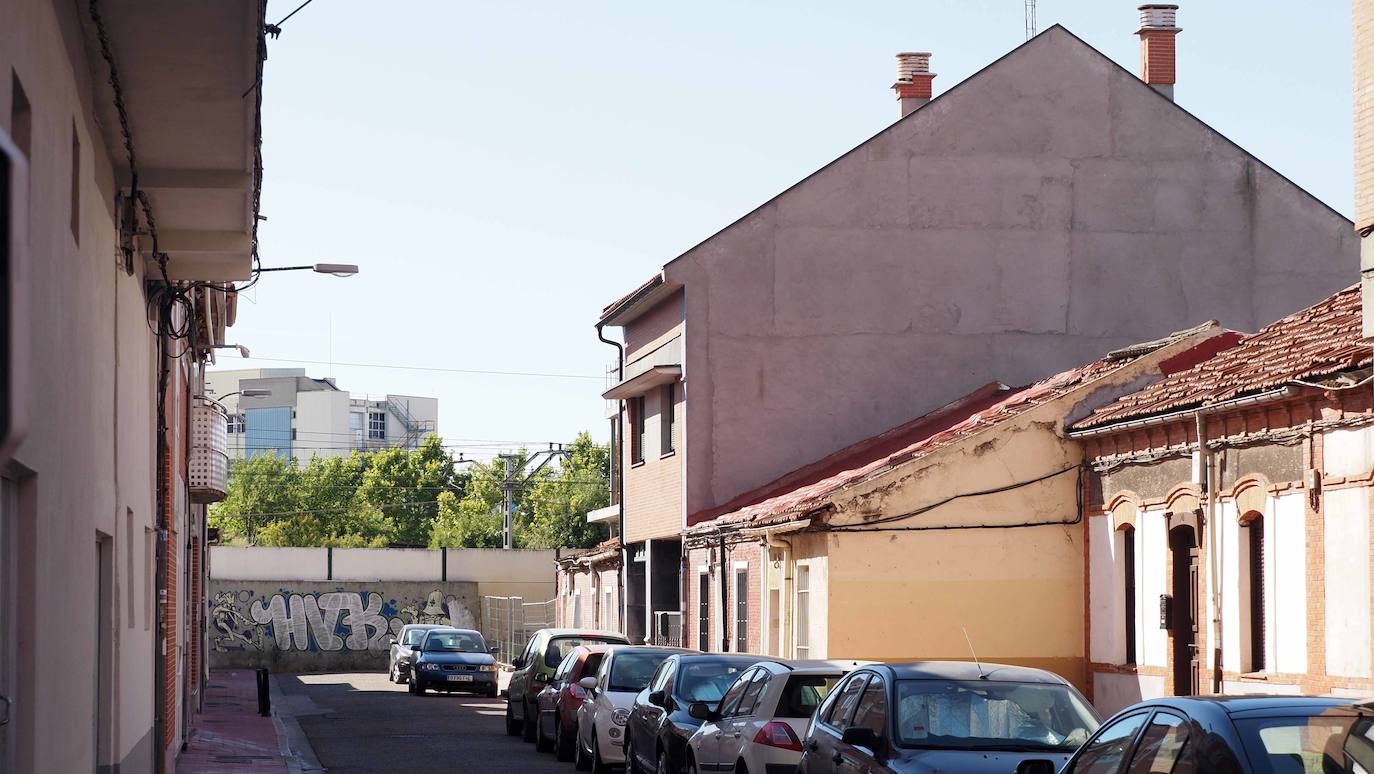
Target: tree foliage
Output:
[{"x": 400, "y": 497}]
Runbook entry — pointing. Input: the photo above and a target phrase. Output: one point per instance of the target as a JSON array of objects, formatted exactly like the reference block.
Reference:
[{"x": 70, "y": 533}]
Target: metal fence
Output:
[
  {"x": 508, "y": 622},
  {"x": 667, "y": 628}
]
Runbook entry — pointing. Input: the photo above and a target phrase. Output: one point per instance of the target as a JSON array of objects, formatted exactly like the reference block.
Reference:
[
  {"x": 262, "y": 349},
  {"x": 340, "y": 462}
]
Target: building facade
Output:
[
  {"x": 1051, "y": 207},
  {"x": 127, "y": 259},
  {"x": 1228, "y": 520},
  {"x": 301, "y": 417}
]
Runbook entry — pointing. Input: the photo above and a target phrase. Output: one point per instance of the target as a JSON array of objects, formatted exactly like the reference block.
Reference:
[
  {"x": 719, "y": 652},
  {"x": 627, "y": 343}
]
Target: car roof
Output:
[
  {"x": 968, "y": 670},
  {"x": 1257, "y": 705},
  {"x": 425, "y": 626},
  {"x": 750, "y": 659},
  {"x": 447, "y": 629},
  {"x": 554, "y": 633},
  {"x": 666, "y": 650}
]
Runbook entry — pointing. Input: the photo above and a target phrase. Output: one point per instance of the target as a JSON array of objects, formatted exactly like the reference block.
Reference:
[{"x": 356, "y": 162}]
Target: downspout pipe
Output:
[
  {"x": 618, "y": 477},
  {"x": 1207, "y": 483}
]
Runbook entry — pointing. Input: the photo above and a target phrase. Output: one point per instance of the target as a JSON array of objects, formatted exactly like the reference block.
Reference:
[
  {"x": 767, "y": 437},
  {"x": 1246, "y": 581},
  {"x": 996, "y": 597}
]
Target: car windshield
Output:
[
  {"x": 708, "y": 680},
  {"x": 560, "y": 647},
  {"x": 631, "y": 671},
  {"x": 803, "y": 694},
  {"x": 415, "y": 636},
  {"x": 1309, "y": 745},
  {"x": 455, "y": 642},
  {"x": 982, "y": 715}
]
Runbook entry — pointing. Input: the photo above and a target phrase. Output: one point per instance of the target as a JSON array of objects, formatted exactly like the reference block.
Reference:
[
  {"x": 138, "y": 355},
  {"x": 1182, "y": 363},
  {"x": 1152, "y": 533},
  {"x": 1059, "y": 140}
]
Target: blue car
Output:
[{"x": 453, "y": 660}]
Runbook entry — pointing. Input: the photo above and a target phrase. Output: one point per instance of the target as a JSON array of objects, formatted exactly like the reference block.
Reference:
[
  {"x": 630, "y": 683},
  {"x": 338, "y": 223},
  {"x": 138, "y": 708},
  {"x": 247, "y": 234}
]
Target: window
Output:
[
  {"x": 236, "y": 424},
  {"x": 704, "y": 612},
  {"x": 803, "y": 636},
  {"x": 636, "y": 430},
  {"x": 1104, "y": 754},
  {"x": 753, "y": 692},
  {"x": 741, "y": 610},
  {"x": 1254, "y": 586},
  {"x": 667, "y": 419},
  {"x": 730, "y": 702},
  {"x": 803, "y": 694},
  {"x": 76, "y": 185},
  {"x": 376, "y": 425},
  {"x": 843, "y": 708},
  {"x": 565, "y": 667},
  {"x": 1161, "y": 746},
  {"x": 1128, "y": 567},
  {"x": 978, "y": 713},
  {"x": 872, "y": 710},
  {"x": 355, "y": 425}
]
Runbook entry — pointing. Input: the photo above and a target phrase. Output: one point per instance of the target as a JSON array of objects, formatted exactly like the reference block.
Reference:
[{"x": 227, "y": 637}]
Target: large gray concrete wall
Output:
[
  {"x": 322, "y": 626},
  {"x": 1034, "y": 217}
]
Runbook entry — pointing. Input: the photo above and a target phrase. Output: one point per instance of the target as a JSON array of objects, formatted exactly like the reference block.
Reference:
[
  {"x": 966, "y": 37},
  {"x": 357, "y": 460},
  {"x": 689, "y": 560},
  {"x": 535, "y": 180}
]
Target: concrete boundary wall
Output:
[{"x": 528, "y": 570}]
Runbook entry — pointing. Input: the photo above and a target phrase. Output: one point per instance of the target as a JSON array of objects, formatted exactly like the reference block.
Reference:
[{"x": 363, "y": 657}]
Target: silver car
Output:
[{"x": 402, "y": 650}]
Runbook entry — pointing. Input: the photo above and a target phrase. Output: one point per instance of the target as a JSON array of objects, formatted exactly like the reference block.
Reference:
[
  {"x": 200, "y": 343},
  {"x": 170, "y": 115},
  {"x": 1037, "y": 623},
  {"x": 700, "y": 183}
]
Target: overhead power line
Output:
[{"x": 436, "y": 369}]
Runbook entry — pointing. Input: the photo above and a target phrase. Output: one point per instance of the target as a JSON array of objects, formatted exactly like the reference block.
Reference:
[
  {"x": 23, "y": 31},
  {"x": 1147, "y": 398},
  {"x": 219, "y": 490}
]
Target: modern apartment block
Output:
[{"x": 300, "y": 416}]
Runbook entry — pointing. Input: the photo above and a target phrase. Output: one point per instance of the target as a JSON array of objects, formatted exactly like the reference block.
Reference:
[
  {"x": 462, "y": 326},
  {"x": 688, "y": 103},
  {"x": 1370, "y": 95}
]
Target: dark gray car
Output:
[{"x": 930, "y": 716}]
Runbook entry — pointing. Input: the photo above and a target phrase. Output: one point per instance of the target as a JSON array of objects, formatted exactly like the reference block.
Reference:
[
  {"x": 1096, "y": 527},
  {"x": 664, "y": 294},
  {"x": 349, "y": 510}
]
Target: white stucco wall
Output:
[
  {"x": 1347, "y": 582},
  {"x": 321, "y": 425},
  {"x": 1288, "y": 583},
  {"x": 1106, "y": 598},
  {"x": 1112, "y": 692},
  {"x": 1348, "y": 452},
  {"x": 268, "y": 563},
  {"x": 1154, "y": 546}
]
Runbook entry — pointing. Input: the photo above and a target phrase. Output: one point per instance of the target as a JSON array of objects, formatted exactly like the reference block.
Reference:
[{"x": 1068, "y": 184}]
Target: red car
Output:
[{"x": 558, "y": 702}]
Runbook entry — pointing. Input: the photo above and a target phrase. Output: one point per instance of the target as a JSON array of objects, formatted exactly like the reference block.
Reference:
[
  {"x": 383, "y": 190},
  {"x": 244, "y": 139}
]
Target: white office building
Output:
[{"x": 294, "y": 415}]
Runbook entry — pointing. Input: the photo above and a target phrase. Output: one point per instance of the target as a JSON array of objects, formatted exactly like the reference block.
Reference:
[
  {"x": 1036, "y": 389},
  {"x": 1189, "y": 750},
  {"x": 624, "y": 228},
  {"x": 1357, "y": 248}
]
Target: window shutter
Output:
[{"x": 1257, "y": 627}]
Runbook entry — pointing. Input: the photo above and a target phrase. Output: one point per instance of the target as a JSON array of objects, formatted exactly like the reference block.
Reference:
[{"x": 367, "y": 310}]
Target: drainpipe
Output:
[
  {"x": 1208, "y": 484},
  {"x": 724, "y": 573},
  {"x": 618, "y": 477}
]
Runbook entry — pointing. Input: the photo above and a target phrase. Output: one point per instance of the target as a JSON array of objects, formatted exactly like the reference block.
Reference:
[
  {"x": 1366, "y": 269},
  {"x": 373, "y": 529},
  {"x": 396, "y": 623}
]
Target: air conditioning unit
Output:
[
  {"x": 14, "y": 319},
  {"x": 209, "y": 465}
]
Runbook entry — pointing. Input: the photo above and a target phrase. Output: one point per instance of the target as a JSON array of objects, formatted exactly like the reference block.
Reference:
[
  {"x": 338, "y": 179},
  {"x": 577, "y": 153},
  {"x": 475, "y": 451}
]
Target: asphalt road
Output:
[{"x": 362, "y": 723}]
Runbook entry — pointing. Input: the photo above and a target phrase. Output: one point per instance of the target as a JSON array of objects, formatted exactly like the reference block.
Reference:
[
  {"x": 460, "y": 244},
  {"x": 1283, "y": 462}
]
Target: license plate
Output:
[{"x": 460, "y": 678}]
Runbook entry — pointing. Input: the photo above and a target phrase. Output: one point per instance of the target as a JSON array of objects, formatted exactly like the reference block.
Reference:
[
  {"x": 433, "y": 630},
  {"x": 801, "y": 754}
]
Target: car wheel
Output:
[
  {"x": 528, "y": 727},
  {"x": 562, "y": 749},
  {"x": 512, "y": 724},
  {"x": 582, "y": 761},
  {"x": 492, "y": 692},
  {"x": 631, "y": 761},
  {"x": 662, "y": 767},
  {"x": 542, "y": 742},
  {"x": 599, "y": 766},
  {"x": 740, "y": 768}
]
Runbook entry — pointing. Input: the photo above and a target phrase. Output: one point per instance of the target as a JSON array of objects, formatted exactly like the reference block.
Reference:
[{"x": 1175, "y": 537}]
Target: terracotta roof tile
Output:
[{"x": 1318, "y": 341}]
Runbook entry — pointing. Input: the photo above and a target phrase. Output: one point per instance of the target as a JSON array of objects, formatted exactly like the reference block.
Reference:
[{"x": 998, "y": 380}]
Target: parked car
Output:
[
  {"x": 624, "y": 672},
  {"x": 556, "y": 705},
  {"x": 453, "y": 660},
  {"x": 534, "y": 668},
  {"x": 659, "y": 725},
  {"x": 402, "y": 649},
  {"x": 1233, "y": 735},
  {"x": 758, "y": 724},
  {"x": 947, "y": 716}
]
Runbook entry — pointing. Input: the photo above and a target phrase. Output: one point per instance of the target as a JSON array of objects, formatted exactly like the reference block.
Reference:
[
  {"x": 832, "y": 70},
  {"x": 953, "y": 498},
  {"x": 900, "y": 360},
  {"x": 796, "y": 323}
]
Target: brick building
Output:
[{"x": 1241, "y": 563}]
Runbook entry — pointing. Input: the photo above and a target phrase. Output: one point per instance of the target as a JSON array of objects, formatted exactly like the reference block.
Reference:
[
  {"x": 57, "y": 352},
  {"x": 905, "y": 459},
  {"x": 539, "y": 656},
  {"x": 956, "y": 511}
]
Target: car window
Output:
[
  {"x": 984, "y": 714},
  {"x": 455, "y": 642},
  {"x": 1309, "y": 745},
  {"x": 753, "y": 692},
  {"x": 730, "y": 702},
  {"x": 707, "y": 680},
  {"x": 661, "y": 675},
  {"x": 590, "y": 664},
  {"x": 632, "y": 671},
  {"x": 803, "y": 694},
  {"x": 843, "y": 708},
  {"x": 872, "y": 709},
  {"x": 565, "y": 667},
  {"x": 415, "y": 637},
  {"x": 1105, "y": 753},
  {"x": 1162, "y": 746},
  {"x": 528, "y": 656},
  {"x": 559, "y": 647}
]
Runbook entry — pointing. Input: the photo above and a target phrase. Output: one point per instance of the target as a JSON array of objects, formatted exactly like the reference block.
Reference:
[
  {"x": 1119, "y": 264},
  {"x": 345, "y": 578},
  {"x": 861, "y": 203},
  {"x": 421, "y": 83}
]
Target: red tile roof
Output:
[
  {"x": 1319, "y": 341},
  {"x": 603, "y": 550},
  {"x": 615, "y": 305},
  {"x": 792, "y": 496}
]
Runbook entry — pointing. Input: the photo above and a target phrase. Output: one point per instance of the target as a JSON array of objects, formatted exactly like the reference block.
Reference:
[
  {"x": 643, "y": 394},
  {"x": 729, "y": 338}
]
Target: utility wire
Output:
[{"x": 478, "y": 371}]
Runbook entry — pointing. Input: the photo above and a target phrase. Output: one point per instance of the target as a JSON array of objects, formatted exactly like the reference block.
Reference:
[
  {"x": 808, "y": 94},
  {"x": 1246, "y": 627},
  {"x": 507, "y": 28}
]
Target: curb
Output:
[{"x": 292, "y": 741}]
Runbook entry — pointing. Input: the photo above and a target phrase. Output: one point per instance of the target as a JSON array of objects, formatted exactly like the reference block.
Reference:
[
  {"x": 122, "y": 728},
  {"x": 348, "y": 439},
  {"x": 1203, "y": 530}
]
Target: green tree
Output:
[
  {"x": 475, "y": 520},
  {"x": 405, "y": 486},
  {"x": 559, "y": 503},
  {"x": 264, "y": 484}
]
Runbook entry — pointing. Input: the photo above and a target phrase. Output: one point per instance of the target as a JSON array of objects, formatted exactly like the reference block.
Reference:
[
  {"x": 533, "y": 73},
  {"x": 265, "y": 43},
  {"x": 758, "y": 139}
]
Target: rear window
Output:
[
  {"x": 1309, "y": 745},
  {"x": 631, "y": 671},
  {"x": 559, "y": 648},
  {"x": 803, "y": 694}
]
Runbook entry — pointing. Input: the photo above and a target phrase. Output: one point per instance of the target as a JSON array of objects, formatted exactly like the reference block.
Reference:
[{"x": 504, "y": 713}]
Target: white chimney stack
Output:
[
  {"x": 1158, "y": 26},
  {"x": 914, "y": 78}
]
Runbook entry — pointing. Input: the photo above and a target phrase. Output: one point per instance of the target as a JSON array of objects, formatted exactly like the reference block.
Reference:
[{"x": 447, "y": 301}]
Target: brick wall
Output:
[
  {"x": 653, "y": 488},
  {"x": 747, "y": 555},
  {"x": 1363, "y": 27}
]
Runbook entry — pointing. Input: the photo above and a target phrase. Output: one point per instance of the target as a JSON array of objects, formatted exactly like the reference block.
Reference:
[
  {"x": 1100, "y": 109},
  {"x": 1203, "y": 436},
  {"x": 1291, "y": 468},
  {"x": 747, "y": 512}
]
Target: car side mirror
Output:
[
  {"x": 588, "y": 683},
  {"x": 494, "y": 649},
  {"x": 658, "y": 699},
  {"x": 1040, "y": 766},
  {"x": 701, "y": 711},
  {"x": 862, "y": 736},
  {"x": 518, "y": 663}
]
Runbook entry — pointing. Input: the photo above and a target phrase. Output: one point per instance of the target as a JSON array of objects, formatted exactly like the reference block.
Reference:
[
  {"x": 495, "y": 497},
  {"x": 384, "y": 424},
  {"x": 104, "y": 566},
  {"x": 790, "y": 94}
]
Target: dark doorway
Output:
[{"x": 1185, "y": 556}]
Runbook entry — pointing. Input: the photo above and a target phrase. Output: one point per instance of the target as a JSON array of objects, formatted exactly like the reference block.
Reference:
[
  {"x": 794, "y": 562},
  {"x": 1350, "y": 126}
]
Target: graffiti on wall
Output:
[{"x": 242, "y": 620}]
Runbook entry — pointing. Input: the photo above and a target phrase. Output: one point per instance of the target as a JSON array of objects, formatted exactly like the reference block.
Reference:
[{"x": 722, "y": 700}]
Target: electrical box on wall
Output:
[
  {"x": 14, "y": 338},
  {"x": 1166, "y": 611}
]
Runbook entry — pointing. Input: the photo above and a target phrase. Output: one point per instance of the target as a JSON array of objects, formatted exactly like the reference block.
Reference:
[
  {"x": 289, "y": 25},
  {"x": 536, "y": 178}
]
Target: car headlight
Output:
[
  {"x": 430, "y": 667},
  {"x": 620, "y": 717},
  {"x": 487, "y": 668}
]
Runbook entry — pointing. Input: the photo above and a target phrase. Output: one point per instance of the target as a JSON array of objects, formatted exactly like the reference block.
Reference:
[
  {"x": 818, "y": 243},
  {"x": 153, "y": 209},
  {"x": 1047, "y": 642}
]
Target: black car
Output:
[
  {"x": 1233, "y": 735},
  {"x": 946, "y": 716},
  {"x": 659, "y": 725}
]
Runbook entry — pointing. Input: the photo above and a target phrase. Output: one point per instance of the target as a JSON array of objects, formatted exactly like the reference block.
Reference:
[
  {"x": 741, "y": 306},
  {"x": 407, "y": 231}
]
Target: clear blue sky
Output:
[{"x": 502, "y": 170}]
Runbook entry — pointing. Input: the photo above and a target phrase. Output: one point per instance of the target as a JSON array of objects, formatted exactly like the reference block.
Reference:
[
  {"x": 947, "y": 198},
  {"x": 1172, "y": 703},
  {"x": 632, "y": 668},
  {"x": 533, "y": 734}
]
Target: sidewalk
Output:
[{"x": 230, "y": 736}]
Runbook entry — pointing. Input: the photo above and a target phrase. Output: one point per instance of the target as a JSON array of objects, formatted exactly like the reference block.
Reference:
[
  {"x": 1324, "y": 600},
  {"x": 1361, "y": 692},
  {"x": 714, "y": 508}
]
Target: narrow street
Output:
[{"x": 360, "y": 722}]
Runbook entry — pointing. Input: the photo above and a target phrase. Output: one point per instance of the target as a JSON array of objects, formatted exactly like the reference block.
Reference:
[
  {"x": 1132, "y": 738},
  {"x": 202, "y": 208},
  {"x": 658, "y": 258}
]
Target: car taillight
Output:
[
  {"x": 576, "y": 691},
  {"x": 778, "y": 735}
]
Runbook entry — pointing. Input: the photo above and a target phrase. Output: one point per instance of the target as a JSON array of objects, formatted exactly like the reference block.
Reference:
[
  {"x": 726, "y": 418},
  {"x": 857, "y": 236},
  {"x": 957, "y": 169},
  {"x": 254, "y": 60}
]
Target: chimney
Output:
[
  {"x": 913, "y": 80},
  {"x": 1158, "y": 26}
]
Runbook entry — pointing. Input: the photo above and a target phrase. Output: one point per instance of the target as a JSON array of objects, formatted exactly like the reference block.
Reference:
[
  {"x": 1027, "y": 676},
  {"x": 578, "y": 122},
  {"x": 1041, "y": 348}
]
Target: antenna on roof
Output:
[
  {"x": 1030, "y": 19},
  {"x": 981, "y": 674}
]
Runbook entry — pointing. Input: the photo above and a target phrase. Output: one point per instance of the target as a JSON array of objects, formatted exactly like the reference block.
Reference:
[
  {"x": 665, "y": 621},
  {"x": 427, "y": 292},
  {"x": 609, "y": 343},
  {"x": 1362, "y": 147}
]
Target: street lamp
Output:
[
  {"x": 247, "y": 392},
  {"x": 337, "y": 269}
]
